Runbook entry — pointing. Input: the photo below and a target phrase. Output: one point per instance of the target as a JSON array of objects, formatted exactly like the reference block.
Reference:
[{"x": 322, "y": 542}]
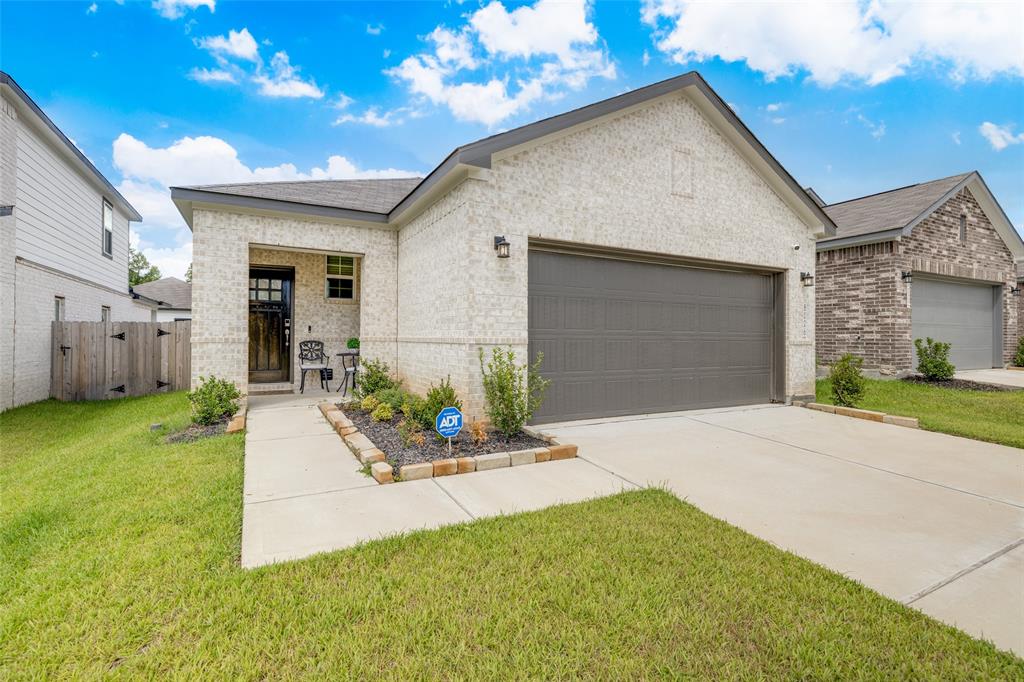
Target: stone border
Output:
[
  {"x": 868, "y": 415},
  {"x": 237, "y": 423},
  {"x": 370, "y": 455}
]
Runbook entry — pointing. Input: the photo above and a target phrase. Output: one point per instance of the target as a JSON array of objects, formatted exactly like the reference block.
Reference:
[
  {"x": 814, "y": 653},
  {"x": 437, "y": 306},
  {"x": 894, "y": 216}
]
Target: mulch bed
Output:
[
  {"x": 197, "y": 432},
  {"x": 385, "y": 436},
  {"x": 959, "y": 384}
]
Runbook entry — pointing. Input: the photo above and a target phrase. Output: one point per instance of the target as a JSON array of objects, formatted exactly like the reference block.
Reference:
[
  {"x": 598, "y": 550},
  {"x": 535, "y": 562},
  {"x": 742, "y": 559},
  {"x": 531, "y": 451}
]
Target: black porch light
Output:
[
  {"x": 807, "y": 279},
  {"x": 501, "y": 245},
  {"x": 1015, "y": 291},
  {"x": 907, "y": 276}
]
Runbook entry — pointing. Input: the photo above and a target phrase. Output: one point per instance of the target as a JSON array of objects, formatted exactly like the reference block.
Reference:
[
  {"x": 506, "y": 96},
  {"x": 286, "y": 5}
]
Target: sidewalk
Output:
[{"x": 304, "y": 493}]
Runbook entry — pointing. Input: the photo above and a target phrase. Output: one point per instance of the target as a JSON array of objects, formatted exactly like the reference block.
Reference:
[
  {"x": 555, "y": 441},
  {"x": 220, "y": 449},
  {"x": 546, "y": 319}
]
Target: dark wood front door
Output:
[{"x": 270, "y": 313}]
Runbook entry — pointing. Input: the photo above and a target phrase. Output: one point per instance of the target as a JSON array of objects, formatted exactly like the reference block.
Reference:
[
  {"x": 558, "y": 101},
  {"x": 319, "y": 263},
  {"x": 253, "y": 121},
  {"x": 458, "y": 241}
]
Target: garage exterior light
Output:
[
  {"x": 807, "y": 279},
  {"x": 501, "y": 245},
  {"x": 907, "y": 276}
]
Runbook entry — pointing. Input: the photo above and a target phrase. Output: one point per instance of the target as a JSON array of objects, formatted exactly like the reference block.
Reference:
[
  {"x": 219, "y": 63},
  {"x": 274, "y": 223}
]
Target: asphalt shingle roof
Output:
[
  {"x": 374, "y": 196},
  {"x": 170, "y": 291},
  {"x": 888, "y": 210}
]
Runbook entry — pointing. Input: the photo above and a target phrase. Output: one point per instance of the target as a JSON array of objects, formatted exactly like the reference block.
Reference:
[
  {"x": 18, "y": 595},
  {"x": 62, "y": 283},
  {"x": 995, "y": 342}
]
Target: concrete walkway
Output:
[
  {"x": 931, "y": 520},
  {"x": 1013, "y": 378},
  {"x": 304, "y": 493}
]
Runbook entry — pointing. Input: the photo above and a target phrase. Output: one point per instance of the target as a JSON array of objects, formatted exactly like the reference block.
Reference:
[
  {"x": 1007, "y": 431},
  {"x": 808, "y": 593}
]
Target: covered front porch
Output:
[{"x": 297, "y": 296}]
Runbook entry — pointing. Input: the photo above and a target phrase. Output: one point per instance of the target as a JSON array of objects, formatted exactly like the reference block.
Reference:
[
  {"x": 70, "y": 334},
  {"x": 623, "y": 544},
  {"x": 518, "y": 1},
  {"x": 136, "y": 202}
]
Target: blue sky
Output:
[{"x": 851, "y": 98}]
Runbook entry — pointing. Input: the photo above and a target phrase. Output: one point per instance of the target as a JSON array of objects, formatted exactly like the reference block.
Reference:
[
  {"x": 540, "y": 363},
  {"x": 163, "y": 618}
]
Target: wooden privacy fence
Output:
[{"x": 99, "y": 360}]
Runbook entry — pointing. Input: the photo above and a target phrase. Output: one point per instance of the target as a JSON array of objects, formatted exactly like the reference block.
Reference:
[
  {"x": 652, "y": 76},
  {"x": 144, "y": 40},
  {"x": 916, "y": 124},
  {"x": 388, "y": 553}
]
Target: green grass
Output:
[
  {"x": 996, "y": 417},
  {"x": 120, "y": 555}
]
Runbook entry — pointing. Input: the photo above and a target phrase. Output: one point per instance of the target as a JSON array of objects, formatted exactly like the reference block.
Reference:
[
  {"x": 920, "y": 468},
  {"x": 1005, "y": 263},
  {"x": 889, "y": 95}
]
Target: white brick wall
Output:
[{"x": 35, "y": 290}]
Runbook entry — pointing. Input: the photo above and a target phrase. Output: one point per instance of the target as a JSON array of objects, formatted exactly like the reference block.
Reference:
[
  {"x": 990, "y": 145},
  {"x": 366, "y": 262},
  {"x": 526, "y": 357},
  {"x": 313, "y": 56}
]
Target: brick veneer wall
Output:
[{"x": 863, "y": 306}]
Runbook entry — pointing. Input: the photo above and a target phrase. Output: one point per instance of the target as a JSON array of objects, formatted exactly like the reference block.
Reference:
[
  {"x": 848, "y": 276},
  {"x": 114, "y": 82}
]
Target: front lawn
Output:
[
  {"x": 120, "y": 554},
  {"x": 993, "y": 416}
]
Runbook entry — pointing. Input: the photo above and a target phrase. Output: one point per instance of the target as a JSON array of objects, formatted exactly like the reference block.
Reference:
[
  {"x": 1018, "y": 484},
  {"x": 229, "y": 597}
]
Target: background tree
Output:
[
  {"x": 139, "y": 268},
  {"x": 188, "y": 274}
]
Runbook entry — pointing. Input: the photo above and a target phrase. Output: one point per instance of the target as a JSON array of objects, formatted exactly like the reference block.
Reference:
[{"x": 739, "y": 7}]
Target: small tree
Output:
[
  {"x": 847, "y": 380},
  {"x": 1018, "y": 357},
  {"x": 512, "y": 392},
  {"x": 438, "y": 397},
  {"x": 933, "y": 360},
  {"x": 139, "y": 269},
  {"x": 188, "y": 274}
]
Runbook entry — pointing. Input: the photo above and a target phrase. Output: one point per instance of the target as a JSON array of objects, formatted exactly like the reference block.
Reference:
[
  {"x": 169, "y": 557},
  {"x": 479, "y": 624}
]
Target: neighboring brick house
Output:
[
  {"x": 648, "y": 245},
  {"x": 935, "y": 259},
  {"x": 64, "y": 249}
]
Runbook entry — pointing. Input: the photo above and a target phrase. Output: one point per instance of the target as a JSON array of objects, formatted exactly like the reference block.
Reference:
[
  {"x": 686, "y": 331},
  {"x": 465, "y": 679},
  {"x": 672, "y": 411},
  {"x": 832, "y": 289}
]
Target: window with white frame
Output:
[
  {"x": 341, "y": 277},
  {"x": 108, "y": 229},
  {"x": 58, "y": 308},
  {"x": 105, "y": 313}
]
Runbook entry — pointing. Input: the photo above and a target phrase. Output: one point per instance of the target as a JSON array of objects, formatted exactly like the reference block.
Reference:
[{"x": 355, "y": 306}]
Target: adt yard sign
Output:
[{"x": 448, "y": 422}]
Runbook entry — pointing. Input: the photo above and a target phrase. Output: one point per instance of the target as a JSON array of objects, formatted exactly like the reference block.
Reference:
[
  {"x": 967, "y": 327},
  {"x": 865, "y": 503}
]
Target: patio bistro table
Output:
[{"x": 346, "y": 370}]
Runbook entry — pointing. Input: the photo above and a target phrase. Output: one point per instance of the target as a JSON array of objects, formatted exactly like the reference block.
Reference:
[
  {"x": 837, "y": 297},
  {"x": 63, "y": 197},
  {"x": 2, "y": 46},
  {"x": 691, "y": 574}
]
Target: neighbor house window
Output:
[
  {"x": 108, "y": 229},
  {"x": 341, "y": 277},
  {"x": 58, "y": 308},
  {"x": 963, "y": 229},
  {"x": 105, "y": 313}
]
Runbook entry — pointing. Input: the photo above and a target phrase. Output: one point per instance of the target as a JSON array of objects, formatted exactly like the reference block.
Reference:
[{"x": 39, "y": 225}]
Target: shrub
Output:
[
  {"x": 438, "y": 398},
  {"x": 478, "y": 432},
  {"x": 369, "y": 403},
  {"x": 848, "y": 382},
  {"x": 410, "y": 432},
  {"x": 512, "y": 392},
  {"x": 382, "y": 413},
  {"x": 352, "y": 343},
  {"x": 374, "y": 376},
  {"x": 395, "y": 397},
  {"x": 414, "y": 408},
  {"x": 1018, "y": 357},
  {"x": 933, "y": 360},
  {"x": 214, "y": 399}
]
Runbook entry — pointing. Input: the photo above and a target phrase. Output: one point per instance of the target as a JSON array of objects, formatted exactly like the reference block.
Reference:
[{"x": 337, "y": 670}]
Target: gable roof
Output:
[
  {"x": 352, "y": 204},
  {"x": 77, "y": 158},
  {"x": 372, "y": 196},
  {"x": 171, "y": 292},
  {"x": 894, "y": 213}
]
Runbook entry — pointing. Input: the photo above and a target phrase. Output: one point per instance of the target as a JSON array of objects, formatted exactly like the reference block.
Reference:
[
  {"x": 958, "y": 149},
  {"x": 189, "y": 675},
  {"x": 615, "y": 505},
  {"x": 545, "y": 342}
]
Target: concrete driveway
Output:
[
  {"x": 931, "y": 520},
  {"x": 1002, "y": 377}
]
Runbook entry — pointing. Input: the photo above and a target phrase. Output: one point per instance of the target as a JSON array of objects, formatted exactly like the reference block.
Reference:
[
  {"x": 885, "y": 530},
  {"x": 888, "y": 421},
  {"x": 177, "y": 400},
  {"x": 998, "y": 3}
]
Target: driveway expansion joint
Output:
[{"x": 961, "y": 573}]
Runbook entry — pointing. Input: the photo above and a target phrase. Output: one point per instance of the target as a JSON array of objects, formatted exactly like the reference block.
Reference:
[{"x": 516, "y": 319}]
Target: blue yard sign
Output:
[{"x": 448, "y": 422}]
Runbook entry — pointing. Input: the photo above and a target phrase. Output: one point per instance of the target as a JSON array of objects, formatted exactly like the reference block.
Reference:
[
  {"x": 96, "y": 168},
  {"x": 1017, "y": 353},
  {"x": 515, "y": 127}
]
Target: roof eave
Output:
[
  {"x": 833, "y": 243},
  {"x": 81, "y": 159}
]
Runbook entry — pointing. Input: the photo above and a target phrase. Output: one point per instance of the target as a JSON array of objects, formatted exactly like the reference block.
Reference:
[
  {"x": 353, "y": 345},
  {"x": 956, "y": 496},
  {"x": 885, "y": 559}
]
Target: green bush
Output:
[
  {"x": 369, "y": 403},
  {"x": 1018, "y": 357},
  {"x": 438, "y": 398},
  {"x": 933, "y": 360},
  {"x": 410, "y": 432},
  {"x": 213, "y": 400},
  {"x": 512, "y": 392},
  {"x": 415, "y": 410},
  {"x": 382, "y": 413},
  {"x": 395, "y": 397},
  {"x": 848, "y": 382},
  {"x": 352, "y": 343},
  {"x": 374, "y": 376}
]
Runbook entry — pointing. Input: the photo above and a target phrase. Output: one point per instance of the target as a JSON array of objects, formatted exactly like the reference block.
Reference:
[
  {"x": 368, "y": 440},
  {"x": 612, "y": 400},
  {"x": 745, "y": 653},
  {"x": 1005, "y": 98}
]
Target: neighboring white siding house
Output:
[{"x": 65, "y": 245}]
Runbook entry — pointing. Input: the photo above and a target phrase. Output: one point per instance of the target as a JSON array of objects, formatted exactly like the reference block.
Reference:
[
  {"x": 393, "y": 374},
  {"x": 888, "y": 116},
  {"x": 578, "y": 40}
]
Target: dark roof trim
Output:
[
  {"x": 144, "y": 299},
  {"x": 257, "y": 203},
  {"x": 814, "y": 195},
  {"x": 859, "y": 239},
  {"x": 5, "y": 79}
]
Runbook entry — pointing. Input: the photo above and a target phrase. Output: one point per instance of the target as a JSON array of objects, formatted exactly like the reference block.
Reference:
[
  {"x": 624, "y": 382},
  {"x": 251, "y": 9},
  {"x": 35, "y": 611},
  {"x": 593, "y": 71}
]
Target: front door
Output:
[{"x": 270, "y": 313}]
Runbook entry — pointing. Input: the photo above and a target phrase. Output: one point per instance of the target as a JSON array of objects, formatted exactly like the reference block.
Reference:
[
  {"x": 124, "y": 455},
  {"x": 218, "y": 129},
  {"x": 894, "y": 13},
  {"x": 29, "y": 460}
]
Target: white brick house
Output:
[
  {"x": 655, "y": 257},
  {"x": 64, "y": 249}
]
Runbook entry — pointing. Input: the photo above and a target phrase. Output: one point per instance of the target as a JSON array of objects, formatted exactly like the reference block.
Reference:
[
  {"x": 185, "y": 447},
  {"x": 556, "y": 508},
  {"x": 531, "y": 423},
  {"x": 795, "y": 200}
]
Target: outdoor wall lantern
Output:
[
  {"x": 1015, "y": 291},
  {"x": 501, "y": 245},
  {"x": 907, "y": 276},
  {"x": 807, "y": 279}
]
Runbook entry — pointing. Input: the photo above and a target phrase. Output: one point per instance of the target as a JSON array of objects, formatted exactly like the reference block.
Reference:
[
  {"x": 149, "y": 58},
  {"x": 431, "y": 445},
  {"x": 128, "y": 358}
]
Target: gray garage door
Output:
[
  {"x": 622, "y": 337},
  {"x": 959, "y": 314}
]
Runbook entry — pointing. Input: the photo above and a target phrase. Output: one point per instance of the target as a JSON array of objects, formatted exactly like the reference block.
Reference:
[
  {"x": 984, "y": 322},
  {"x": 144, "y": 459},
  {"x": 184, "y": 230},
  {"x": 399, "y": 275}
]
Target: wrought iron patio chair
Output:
[{"x": 312, "y": 358}]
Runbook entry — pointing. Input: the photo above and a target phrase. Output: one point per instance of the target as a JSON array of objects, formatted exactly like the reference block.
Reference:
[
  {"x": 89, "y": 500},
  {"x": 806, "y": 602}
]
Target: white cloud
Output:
[
  {"x": 956, "y": 138},
  {"x": 374, "y": 117},
  {"x": 1000, "y": 137},
  {"x": 238, "y": 44},
  {"x": 92, "y": 8},
  {"x": 212, "y": 76},
  {"x": 778, "y": 120},
  {"x": 283, "y": 80},
  {"x": 870, "y": 42},
  {"x": 374, "y": 30},
  {"x": 646, "y": 59},
  {"x": 773, "y": 107},
  {"x": 530, "y": 53},
  {"x": 149, "y": 172},
  {"x": 877, "y": 130},
  {"x": 175, "y": 9},
  {"x": 387, "y": 53}
]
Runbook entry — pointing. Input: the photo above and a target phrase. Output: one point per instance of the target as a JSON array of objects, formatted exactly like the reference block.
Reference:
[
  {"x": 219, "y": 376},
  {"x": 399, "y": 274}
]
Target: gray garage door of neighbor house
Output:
[
  {"x": 960, "y": 314},
  {"x": 623, "y": 337}
]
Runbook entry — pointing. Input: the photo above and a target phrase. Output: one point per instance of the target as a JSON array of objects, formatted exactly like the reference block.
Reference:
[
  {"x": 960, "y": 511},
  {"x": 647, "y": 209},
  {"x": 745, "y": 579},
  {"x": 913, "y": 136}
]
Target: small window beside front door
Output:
[
  {"x": 108, "y": 229},
  {"x": 341, "y": 277},
  {"x": 265, "y": 289}
]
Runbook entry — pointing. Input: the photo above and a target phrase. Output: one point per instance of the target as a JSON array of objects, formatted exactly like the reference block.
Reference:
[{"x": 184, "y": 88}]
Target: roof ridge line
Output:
[
  {"x": 293, "y": 182},
  {"x": 899, "y": 189}
]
